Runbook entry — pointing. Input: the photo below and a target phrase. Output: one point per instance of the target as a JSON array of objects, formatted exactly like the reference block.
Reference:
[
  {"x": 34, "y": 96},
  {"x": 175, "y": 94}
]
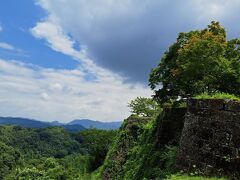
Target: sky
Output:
[{"x": 72, "y": 59}]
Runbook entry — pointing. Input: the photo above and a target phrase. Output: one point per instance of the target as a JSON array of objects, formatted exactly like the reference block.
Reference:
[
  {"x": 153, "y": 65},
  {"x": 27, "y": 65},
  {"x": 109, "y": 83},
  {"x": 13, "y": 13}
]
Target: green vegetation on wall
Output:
[
  {"x": 218, "y": 96},
  {"x": 134, "y": 154}
]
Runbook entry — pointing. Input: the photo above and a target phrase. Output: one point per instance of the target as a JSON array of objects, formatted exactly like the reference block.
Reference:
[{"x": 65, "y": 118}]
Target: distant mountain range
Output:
[
  {"x": 96, "y": 124},
  {"x": 73, "y": 126}
]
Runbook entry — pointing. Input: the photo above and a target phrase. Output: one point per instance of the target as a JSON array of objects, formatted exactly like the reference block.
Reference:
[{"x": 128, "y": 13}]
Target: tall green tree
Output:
[
  {"x": 199, "y": 61},
  {"x": 145, "y": 107}
]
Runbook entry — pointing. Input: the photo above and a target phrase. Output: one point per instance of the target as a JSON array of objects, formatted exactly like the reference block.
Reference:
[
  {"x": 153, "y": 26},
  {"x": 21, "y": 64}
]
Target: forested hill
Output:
[
  {"x": 96, "y": 124},
  {"x": 51, "y": 153},
  {"x": 75, "y": 125},
  {"x": 30, "y": 123}
]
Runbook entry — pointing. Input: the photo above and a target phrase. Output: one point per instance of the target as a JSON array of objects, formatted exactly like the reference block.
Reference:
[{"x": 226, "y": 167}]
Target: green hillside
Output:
[{"x": 50, "y": 153}]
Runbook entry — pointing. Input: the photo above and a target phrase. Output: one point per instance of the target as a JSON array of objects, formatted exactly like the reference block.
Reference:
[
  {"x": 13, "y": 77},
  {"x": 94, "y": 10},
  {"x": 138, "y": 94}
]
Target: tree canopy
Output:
[
  {"x": 145, "y": 107},
  {"x": 199, "y": 61},
  {"x": 51, "y": 153}
]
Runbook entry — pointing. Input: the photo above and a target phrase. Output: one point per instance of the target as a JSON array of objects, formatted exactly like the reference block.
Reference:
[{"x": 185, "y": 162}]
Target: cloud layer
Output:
[
  {"x": 89, "y": 91},
  {"x": 113, "y": 41},
  {"x": 49, "y": 94},
  {"x": 6, "y": 46},
  {"x": 129, "y": 36}
]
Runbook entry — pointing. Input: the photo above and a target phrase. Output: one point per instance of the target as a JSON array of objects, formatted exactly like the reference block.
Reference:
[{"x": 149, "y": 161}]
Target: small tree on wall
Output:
[{"x": 145, "y": 107}]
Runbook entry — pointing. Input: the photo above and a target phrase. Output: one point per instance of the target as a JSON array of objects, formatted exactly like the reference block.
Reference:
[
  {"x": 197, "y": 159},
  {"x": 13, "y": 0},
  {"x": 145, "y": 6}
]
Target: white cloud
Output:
[
  {"x": 56, "y": 38},
  {"x": 1, "y": 28},
  {"x": 121, "y": 34},
  {"x": 58, "y": 41},
  {"x": 215, "y": 9},
  {"x": 56, "y": 87},
  {"x": 126, "y": 34},
  {"x": 6, "y": 46},
  {"x": 14, "y": 50},
  {"x": 45, "y": 96},
  {"x": 50, "y": 94}
]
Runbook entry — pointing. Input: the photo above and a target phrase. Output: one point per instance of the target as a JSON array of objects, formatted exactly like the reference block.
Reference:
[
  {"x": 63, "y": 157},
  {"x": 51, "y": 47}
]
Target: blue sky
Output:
[
  {"x": 71, "y": 59},
  {"x": 16, "y": 18}
]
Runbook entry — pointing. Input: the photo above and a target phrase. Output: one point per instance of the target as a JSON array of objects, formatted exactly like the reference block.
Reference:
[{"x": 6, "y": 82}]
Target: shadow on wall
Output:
[{"x": 210, "y": 140}]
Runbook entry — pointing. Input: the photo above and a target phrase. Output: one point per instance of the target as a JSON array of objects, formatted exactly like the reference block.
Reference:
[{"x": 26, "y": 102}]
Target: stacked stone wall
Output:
[
  {"x": 210, "y": 140},
  {"x": 170, "y": 125}
]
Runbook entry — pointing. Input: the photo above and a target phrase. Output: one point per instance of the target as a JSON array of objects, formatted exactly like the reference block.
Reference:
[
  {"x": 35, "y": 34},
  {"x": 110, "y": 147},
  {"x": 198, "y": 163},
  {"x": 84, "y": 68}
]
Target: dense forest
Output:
[
  {"x": 51, "y": 153},
  {"x": 201, "y": 64}
]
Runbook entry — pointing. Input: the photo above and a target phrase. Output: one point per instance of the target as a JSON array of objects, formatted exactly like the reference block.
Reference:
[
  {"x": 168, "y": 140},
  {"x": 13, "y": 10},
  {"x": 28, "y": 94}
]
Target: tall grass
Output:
[
  {"x": 185, "y": 177},
  {"x": 218, "y": 96}
]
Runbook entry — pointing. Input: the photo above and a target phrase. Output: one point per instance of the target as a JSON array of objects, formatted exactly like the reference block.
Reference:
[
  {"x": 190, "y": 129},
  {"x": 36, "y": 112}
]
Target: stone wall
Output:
[
  {"x": 170, "y": 125},
  {"x": 210, "y": 140}
]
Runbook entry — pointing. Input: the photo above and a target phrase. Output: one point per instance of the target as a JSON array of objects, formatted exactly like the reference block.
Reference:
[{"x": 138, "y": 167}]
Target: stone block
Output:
[{"x": 210, "y": 138}]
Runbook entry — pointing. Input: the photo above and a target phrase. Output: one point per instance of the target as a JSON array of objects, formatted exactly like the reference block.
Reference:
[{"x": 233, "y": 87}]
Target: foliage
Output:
[
  {"x": 169, "y": 156},
  {"x": 51, "y": 153},
  {"x": 50, "y": 169},
  {"x": 175, "y": 104},
  {"x": 134, "y": 154},
  {"x": 200, "y": 61},
  {"x": 217, "y": 96},
  {"x": 9, "y": 158},
  {"x": 97, "y": 143},
  {"x": 186, "y": 177},
  {"x": 44, "y": 142},
  {"x": 145, "y": 107}
]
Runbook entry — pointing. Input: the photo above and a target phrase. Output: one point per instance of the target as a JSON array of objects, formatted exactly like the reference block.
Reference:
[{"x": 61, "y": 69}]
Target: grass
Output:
[
  {"x": 218, "y": 96},
  {"x": 185, "y": 177}
]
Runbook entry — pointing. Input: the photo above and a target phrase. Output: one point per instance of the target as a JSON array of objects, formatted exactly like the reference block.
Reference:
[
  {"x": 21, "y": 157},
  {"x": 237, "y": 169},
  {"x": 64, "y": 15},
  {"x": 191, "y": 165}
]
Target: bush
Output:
[{"x": 218, "y": 96}]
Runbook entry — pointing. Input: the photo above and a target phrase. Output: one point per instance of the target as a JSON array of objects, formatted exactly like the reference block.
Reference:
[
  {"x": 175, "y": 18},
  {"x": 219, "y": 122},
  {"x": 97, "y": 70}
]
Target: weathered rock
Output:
[
  {"x": 170, "y": 125},
  {"x": 210, "y": 140}
]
